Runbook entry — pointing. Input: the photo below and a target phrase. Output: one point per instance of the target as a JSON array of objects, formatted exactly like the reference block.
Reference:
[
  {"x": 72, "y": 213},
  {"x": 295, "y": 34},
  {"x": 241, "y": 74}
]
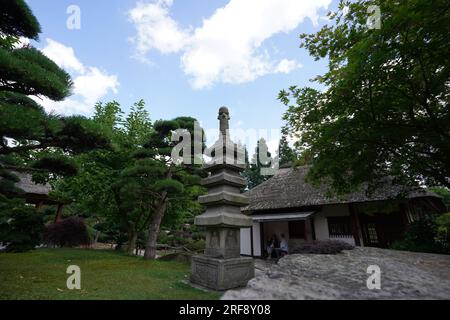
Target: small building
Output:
[
  {"x": 36, "y": 194},
  {"x": 287, "y": 204}
]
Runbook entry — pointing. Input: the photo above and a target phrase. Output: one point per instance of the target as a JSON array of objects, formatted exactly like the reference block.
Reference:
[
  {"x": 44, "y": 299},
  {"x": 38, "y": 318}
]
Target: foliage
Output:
[
  {"x": 32, "y": 140},
  {"x": 70, "y": 232},
  {"x": 126, "y": 190},
  {"x": 323, "y": 247},
  {"x": 91, "y": 191},
  {"x": 384, "y": 110},
  {"x": 286, "y": 156},
  {"x": 252, "y": 172},
  {"x": 443, "y": 229},
  {"x": 20, "y": 226},
  {"x": 444, "y": 193},
  {"x": 154, "y": 185},
  {"x": 18, "y": 20},
  {"x": 426, "y": 235}
]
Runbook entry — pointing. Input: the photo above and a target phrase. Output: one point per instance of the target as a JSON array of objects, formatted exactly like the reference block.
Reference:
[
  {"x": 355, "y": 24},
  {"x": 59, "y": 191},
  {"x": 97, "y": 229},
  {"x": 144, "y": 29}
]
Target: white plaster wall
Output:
[
  {"x": 256, "y": 239},
  {"x": 246, "y": 245},
  {"x": 321, "y": 224}
]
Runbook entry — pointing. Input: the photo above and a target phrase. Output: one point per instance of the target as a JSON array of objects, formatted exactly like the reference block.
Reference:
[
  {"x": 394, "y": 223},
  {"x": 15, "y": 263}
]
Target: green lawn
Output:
[{"x": 41, "y": 274}]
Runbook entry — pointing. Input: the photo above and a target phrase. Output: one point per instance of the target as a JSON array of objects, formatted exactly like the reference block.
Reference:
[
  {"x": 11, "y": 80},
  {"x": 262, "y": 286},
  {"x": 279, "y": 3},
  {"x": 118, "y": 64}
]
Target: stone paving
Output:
[{"x": 404, "y": 275}]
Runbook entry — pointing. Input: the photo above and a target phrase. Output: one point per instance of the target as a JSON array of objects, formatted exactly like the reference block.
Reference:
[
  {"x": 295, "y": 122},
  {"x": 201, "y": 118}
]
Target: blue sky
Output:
[{"x": 183, "y": 57}]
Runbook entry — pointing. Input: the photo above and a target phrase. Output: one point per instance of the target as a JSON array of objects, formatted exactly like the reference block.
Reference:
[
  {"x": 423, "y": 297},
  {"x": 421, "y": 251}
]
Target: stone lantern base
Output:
[{"x": 222, "y": 274}]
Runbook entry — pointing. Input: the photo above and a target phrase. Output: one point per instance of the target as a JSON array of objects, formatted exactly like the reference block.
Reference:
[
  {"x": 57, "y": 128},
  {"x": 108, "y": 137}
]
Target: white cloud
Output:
[
  {"x": 23, "y": 42},
  {"x": 63, "y": 56},
  {"x": 286, "y": 66},
  {"x": 90, "y": 83},
  {"x": 228, "y": 46},
  {"x": 156, "y": 29},
  {"x": 94, "y": 85}
]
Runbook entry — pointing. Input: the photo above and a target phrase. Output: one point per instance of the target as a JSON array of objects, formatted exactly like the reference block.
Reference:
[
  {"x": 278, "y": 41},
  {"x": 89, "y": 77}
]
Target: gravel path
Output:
[{"x": 404, "y": 275}]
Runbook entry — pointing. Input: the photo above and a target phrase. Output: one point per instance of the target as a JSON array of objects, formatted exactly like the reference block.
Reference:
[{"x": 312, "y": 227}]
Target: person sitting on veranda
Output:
[
  {"x": 283, "y": 249},
  {"x": 271, "y": 245}
]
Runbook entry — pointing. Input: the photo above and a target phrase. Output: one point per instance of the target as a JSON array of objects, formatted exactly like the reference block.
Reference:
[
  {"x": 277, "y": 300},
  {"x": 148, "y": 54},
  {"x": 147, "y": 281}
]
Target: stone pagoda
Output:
[{"x": 222, "y": 267}]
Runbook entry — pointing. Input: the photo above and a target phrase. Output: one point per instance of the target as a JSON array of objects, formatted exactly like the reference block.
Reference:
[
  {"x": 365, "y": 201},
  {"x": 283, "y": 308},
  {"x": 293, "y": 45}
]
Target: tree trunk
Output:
[
  {"x": 153, "y": 230},
  {"x": 132, "y": 238}
]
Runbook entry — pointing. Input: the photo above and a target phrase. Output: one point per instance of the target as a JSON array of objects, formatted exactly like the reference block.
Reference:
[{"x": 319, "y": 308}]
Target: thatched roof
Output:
[
  {"x": 288, "y": 189},
  {"x": 26, "y": 184}
]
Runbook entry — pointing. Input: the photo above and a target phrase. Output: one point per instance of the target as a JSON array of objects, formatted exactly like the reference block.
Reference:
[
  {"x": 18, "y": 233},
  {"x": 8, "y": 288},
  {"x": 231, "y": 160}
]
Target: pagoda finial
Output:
[{"x": 224, "y": 118}]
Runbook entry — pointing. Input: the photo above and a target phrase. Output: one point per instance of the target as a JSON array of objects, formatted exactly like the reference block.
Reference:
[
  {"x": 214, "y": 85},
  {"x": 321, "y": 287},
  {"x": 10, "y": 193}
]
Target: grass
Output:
[{"x": 41, "y": 274}]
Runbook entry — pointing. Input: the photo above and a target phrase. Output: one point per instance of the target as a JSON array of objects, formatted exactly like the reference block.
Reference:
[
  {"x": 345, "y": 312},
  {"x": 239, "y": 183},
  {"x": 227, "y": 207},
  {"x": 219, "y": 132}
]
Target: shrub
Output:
[
  {"x": 21, "y": 226},
  {"x": 196, "y": 245},
  {"x": 443, "y": 228},
  {"x": 323, "y": 247},
  {"x": 425, "y": 235},
  {"x": 70, "y": 232}
]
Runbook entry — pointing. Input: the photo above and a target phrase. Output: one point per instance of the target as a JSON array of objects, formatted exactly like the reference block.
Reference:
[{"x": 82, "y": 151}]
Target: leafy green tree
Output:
[
  {"x": 91, "y": 191},
  {"x": 384, "y": 110},
  {"x": 444, "y": 193},
  {"x": 262, "y": 158},
  {"x": 20, "y": 226}
]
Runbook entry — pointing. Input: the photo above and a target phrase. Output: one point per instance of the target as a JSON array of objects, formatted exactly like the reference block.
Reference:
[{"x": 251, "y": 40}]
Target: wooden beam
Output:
[
  {"x": 39, "y": 206},
  {"x": 356, "y": 226}
]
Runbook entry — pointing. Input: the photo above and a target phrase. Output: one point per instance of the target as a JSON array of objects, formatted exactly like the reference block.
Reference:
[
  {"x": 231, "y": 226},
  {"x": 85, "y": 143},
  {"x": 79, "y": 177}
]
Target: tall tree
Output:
[
  {"x": 385, "y": 110},
  {"x": 32, "y": 140},
  {"x": 286, "y": 154},
  {"x": 262, "y": 158},
  {"x": 154, "y": 183},
  {"x": 92, "y": 190}
]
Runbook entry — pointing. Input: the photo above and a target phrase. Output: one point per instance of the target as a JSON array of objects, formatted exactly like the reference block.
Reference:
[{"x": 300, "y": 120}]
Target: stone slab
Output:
[
  {"x": 404, "y": 276},
  {"x": 223, "y": 178},
  {"x": 224, "y": 197},
  {"x": 221, "y": 274},
  {"x": 219, "y": 219}
]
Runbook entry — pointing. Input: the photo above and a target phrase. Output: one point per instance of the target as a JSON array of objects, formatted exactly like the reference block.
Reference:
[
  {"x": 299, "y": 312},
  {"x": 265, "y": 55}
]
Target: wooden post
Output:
[
  {"x": 305, "y": 230},
  {"x": 313, "y": 229},
  {"x": 59, "y": 212},
  {"x": 39, "y": 206},
  {"x": 356, "y": 226},
  {"x": 251, "y": 241}
]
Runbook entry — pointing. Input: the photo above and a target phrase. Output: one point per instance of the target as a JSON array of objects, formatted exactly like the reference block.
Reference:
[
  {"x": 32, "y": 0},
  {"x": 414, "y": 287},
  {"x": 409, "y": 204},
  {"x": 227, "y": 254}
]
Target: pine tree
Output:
[
  {"x": 30, "y": 138},
  {"x": 262, "y": 158},
  {"x": 285, "y": 154},
  {"x": 154, "y": 183}
]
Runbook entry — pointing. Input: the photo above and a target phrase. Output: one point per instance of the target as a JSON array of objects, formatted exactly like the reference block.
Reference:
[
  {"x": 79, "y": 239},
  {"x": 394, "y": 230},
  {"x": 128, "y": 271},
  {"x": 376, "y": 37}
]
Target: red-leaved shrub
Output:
[{"x": 70, "y": 232}]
